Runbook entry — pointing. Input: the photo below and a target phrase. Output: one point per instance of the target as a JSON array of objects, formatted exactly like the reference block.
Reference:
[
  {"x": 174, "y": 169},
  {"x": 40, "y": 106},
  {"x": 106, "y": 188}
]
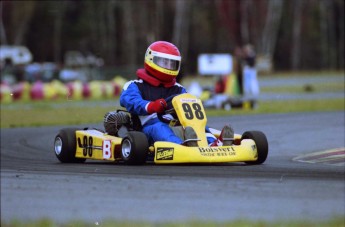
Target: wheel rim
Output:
[
  {"x": 58, "y": 145},
  {"x": 126, "y": 148}
]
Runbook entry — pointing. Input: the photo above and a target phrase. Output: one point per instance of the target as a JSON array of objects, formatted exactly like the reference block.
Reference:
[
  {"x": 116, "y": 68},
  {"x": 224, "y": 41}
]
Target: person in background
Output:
[
  {"x": 250, "y": 81},
  {"x": 238, "y": 68}
]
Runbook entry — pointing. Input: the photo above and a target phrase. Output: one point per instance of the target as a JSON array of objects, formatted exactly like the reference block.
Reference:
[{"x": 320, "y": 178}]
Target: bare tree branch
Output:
[
  {"x": 270, "y": 31},
  {"x": 23, "y": 11},
  {"x": 181, "y": 24},
  {"x": 296, "y": 34},
  {"x": 3, "y": 36}
]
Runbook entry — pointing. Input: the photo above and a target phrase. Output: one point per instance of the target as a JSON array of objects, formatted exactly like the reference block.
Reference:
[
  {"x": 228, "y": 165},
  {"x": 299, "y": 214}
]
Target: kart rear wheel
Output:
[
  {"x": 65, "y": 146},
  {"x": 261, "y": 145},
  {"x": 134, "y": 148}
]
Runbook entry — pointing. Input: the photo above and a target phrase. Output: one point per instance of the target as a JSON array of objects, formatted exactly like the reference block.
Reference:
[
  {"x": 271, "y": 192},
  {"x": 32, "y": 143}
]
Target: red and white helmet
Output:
[{"x": 163, "y": 61}]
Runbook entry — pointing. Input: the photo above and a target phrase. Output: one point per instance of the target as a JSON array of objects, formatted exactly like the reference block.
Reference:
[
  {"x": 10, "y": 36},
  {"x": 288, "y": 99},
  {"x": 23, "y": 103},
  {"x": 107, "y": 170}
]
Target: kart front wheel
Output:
[
  {"x": 261, "y": 145},
  {"x": 65, "y": 146},
  {"x": 134, "y": 148}
]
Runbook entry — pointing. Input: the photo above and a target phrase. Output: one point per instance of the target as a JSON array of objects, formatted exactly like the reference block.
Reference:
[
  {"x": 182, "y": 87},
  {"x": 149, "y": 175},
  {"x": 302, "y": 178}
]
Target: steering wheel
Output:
[
  {"x": 170, "y": 110},
  {"x": 170, "y": 98}
]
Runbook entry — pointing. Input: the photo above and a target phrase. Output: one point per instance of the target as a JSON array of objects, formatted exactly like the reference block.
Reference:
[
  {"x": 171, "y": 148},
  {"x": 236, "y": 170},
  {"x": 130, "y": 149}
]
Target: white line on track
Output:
[{"x": 331, "y": 157}]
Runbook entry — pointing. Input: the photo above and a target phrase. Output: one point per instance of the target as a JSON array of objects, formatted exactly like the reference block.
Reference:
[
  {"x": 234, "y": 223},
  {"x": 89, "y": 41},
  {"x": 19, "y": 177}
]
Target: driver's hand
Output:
[{"x": 157, "y": 106}]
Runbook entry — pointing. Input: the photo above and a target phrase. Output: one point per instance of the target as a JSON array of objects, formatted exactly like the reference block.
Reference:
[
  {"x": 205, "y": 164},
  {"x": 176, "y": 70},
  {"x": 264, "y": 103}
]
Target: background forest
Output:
[{"x": 293, "y": 34}]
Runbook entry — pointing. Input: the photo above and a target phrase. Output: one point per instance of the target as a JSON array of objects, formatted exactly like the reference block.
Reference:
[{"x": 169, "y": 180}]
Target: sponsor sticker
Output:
[
  {"x": 217, "y": 151},
  {"x": 188, "y": 100},
  {"x": 165, "y": 153}
]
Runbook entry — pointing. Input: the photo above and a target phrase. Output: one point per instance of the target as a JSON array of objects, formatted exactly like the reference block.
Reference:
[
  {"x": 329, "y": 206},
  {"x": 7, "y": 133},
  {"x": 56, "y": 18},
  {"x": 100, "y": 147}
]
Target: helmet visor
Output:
[{"x": 167, "y": 63}]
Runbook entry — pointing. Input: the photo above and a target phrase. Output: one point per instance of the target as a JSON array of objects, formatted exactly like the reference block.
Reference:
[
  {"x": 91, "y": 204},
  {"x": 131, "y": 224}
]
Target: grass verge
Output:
[
  {"x": 334, "y": 222},
  {"x": 303, "y": 88},
  {"x": 88, "y": 112}
]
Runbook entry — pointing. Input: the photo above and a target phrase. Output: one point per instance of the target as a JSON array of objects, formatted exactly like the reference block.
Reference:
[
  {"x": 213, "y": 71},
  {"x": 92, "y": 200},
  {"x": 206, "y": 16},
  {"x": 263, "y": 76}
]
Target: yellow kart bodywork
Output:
[
  {"x": 75, "y": 145},
  {"x": 190, "y": 112},
  {"x": 93, "y": 144},
  {"x": 168, "y": 153}
]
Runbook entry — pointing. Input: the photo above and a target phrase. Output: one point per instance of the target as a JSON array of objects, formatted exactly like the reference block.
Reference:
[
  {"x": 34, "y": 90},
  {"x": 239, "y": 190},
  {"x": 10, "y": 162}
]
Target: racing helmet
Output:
[{"x": 163, "y": 61}]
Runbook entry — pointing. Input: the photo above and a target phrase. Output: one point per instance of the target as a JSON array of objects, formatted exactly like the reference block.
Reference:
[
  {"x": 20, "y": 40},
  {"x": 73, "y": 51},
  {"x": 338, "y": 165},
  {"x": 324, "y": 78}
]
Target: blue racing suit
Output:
[{"x": 136, "y": 95}]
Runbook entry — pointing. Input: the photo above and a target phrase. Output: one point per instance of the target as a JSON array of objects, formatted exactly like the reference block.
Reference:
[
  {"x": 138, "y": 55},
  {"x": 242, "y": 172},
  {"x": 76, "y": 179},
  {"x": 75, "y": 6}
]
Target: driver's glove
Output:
[{"x": 157, "y": 106}]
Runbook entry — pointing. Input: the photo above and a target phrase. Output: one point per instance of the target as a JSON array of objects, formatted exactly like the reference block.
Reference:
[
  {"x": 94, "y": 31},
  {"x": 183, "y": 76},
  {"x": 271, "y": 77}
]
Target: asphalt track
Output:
[{"x": 35, "y": 185}]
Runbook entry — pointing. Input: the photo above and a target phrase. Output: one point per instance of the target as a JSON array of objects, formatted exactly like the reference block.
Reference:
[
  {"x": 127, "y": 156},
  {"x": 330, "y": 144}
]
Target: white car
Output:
[{"x": 17, "y": 54}]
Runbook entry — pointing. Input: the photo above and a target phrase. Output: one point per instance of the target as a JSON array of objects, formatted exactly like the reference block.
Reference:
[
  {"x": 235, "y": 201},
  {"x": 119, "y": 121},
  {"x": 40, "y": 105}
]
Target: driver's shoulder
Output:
[{"x": 128, "y": 83}]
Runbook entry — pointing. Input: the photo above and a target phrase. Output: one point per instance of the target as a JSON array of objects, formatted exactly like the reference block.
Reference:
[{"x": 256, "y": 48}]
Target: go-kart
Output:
[
  {"x": 228, "y": 102},
  {"x": 131, "y": 146}
]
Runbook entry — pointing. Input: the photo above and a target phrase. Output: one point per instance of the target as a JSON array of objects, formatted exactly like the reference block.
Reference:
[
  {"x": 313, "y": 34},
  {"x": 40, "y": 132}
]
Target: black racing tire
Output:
[
  {"x": 261, "y": 145},
  {"x": 134, "y": 148},
  {"x": 65, "y": 146}
]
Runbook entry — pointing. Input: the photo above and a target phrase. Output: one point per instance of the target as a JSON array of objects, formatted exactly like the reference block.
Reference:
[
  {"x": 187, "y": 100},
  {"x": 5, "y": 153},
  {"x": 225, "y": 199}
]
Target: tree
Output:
[
  {"x": 119, "y": 31},
  {"x": 129, "y": 43},
  {"x": 181, "y": 26},
  {"x": 296, "y": 34},
  {"x": 19, "y": 20},
  {"x": 61, "y": 6},
  {"x": 3, "y": 36},
  {"x": 269, "y": 35}
]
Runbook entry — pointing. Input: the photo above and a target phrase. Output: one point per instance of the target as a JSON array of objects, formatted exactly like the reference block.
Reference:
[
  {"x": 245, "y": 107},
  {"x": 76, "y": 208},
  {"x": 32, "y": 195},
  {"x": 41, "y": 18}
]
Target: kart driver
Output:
[{"x": 146, "y": 97}]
